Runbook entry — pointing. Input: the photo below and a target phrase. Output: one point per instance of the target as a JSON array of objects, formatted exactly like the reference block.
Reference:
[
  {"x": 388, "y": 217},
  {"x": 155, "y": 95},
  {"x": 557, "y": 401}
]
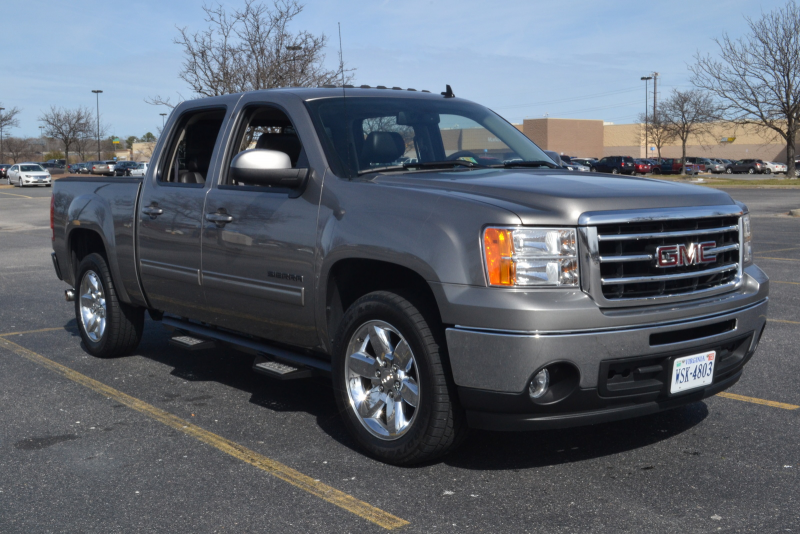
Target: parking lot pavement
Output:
[{"x": 92, "y": 445}]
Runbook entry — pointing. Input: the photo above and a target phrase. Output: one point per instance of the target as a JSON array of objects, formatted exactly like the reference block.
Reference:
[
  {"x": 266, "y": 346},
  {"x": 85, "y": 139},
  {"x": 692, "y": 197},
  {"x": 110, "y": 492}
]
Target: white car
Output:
[
  {"x": 139, "y": 170},
  {"x": 23, "y": 174},
  {"x": 774, "y": 167}
]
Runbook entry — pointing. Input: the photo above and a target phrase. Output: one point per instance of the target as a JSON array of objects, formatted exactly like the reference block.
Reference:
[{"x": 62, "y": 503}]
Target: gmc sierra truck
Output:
[{"x": 423, "y": 254}]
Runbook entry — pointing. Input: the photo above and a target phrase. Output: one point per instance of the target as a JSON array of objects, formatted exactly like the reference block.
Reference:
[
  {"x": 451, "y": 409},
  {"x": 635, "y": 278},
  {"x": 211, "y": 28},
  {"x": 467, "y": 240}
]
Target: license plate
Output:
[{"x": 693, "y": 371}]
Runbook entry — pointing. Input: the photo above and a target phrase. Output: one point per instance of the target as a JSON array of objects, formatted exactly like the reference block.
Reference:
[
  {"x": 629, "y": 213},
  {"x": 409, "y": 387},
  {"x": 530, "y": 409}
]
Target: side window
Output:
[
  {"x": 266, "y": 127},
  {"x": 191, "y": 147}
]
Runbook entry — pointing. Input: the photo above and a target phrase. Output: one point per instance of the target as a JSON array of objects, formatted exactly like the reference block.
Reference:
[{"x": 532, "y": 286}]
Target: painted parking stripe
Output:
[
  {"x": 779, "y": 282},
  {"x": 272, "y": 467},
  {"x": 779, "y": 259},
  {"x": 782, "y": 321},
  {"x": 775, "y": 250},
  {"x": 14, "y": 195},
  {"x": 754, "y": 400},
  {"x": 37, "y": 331}
]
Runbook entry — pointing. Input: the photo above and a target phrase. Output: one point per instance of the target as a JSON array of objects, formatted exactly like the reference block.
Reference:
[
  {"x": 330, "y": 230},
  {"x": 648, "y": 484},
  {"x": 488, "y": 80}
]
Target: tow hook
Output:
[{"x": 69, "y": 294}]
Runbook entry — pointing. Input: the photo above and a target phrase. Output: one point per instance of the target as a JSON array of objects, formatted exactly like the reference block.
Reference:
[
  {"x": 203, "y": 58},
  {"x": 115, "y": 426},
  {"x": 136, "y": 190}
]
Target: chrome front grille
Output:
[{"x": 620, "y": 267}]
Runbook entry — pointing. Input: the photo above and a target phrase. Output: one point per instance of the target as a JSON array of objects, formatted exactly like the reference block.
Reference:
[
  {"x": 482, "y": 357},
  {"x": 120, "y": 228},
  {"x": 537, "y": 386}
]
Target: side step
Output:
[
  {"x": 191, "y": 343},
  {"x": 296, "y": 361},
  {"x": 279, "y": 370}
]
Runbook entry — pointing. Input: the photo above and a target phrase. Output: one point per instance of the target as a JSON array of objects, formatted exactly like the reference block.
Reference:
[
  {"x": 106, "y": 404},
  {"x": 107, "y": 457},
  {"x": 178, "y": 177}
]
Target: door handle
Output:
[
  {"x": 220, "y": 218},
  {"x": 152, "y": 211}
]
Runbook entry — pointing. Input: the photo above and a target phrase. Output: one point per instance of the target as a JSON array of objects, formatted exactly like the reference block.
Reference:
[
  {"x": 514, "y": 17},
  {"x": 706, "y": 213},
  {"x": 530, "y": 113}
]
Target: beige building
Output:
[{"x": 596, "y": 139}]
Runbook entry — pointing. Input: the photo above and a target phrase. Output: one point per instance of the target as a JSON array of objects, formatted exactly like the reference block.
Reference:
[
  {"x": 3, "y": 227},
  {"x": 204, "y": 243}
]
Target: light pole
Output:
[
  {"x": 2, "y": 158},
  {"x": 41, "y": 137},
  {"x": 97, "y": 92},
  {"x": 163, "y": 121},
  {"x": 646, "y": 145}
]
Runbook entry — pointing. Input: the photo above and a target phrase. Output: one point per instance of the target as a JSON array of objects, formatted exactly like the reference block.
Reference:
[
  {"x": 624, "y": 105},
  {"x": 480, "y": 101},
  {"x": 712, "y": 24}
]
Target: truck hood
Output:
[{"x": 558, "y": 197}]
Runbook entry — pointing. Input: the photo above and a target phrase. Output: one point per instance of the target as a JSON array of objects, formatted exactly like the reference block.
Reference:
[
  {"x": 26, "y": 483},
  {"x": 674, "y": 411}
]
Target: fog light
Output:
[{"x": 539, "y": 384}]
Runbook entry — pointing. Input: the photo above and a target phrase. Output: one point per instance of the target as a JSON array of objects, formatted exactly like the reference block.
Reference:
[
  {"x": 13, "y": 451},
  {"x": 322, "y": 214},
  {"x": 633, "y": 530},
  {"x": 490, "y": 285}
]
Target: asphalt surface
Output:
[{"x": 73, "y": 459}]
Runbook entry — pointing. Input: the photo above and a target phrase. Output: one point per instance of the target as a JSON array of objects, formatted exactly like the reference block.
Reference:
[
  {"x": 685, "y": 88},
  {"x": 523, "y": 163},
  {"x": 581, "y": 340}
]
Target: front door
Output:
[
  {"x": 171, "y": 215},
  {"x": 258, "y": 261}
]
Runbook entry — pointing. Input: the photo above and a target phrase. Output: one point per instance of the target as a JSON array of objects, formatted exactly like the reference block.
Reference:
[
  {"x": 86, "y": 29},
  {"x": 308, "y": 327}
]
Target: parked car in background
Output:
[
  {"x": 700, "y": 162},
  {"x": 749, "y": 166},
  {"x": 715, "y": 166},
  {"x": 81, "y": 168},
  {"x": 3, "y": 168},
  {"x": 112, "y": 165},
  {"x": 674, "y": 166},
  {"x": 774, "y": 167},
  {"x": 58, "y": 162},
  {"x": 139, "y": 170},
  {"x": 123, "y": 168},
  {"x": 22, "y": 174},
  {"x": 642, "y": 166},
  {"x": 100, "y": 167},
  {"x": 614, "y": 165},
  {"x": 555, "y": 156},
  {"x": 584, "y": 161},
  {"x": 49, "y": 165}
]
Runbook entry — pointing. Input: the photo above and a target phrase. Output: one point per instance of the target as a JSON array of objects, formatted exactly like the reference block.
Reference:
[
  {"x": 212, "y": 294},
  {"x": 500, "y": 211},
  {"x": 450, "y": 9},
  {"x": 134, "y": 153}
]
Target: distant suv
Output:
[
  {"x": 615, "y": 165},
  {"x": 750, "y": 166}
]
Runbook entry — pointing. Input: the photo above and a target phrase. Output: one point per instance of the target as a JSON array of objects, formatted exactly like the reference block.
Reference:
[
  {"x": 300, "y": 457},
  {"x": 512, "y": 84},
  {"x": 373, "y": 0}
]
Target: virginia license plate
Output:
[{"x": 693, "y": 371}]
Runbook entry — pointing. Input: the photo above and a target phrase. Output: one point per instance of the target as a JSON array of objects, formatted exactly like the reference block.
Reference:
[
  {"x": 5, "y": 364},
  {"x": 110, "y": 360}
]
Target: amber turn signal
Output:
[{"x": 498, "y": 247}]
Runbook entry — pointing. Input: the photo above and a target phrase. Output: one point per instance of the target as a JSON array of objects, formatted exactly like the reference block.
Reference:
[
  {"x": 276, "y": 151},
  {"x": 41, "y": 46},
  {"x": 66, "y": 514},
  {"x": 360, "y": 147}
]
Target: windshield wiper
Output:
[
  {"x": 440, "y": 164},
  {"x": 536, "y": 163}
]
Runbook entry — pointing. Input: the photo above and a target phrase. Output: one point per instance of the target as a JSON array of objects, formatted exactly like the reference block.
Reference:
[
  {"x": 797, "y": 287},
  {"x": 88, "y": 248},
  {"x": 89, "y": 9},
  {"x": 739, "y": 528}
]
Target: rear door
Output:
[
  {"x": 171, "y": 212},
  {"x": 258, "y": 263}
]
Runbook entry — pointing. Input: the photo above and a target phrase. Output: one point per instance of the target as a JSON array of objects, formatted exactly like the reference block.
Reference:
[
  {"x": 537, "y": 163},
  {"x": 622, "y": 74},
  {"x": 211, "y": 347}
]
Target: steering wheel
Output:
[{"x": 462, "y": 154}]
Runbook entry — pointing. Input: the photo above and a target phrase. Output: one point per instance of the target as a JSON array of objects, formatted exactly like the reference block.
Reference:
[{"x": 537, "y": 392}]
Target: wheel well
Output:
[
  {"x": 351, "y": 279},
  {"x": 82, "y": 243}
]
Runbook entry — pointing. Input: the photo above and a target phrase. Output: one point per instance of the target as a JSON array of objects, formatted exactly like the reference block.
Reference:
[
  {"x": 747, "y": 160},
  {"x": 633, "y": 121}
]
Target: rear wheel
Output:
[
  {"x": 391, "y": 384},
  {"x": 729, "y": 170},
  {"x": 614, "y": 171},
  {"x": 751, "y": 171},
  {"x": 107, "y": 326}
]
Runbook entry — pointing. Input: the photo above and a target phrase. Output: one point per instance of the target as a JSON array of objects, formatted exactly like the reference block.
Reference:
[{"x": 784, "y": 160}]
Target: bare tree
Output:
[
  {"x": 8, "y": 120},
  {"x": 252, "y": 48},
  {"x": 757, "y": 76},
  {"x": 658, "y": 132},
  {"x": 688, "y": 113},
  {"x": 67, "y": 125},
  {"x": 19, "y": 149}
]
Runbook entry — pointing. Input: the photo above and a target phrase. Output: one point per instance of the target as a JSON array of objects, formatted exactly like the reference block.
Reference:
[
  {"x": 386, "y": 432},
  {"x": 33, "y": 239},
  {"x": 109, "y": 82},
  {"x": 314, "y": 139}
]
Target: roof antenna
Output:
[
  {"x": 344, "y": 101},
  {"x": 448, "y": 93}
]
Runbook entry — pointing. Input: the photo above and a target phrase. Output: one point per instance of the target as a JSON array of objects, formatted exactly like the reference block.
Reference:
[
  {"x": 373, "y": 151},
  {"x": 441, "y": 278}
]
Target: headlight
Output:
[
  {"x": 747, "y": 253},
  {"x": 526, "y": 257}
]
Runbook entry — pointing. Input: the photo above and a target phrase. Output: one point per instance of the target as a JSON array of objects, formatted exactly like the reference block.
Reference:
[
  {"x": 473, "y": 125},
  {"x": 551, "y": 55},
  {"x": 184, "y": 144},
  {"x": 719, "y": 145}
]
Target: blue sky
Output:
[{"x": 524, "y": 59}]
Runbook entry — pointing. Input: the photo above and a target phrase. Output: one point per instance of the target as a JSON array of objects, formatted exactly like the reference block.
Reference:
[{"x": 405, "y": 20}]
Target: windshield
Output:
[
  {"x": 31, "y": 168},
  {"x": 377, "y": 133}
]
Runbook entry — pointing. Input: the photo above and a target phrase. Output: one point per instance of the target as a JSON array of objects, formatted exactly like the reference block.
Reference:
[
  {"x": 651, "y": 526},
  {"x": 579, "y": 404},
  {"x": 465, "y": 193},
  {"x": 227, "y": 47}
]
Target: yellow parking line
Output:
[
  {"x": 62, "y": 328},
  {"x": 272, "y": 467},
  {"x": 15, "y": 195},
  {"x": 776, "y": 250},
  {"x": 782, "y": 321},
  {"x": 779, "y": 282},
  {"x": 781, "y": 259},
  {"x": 758, "y": 401}
]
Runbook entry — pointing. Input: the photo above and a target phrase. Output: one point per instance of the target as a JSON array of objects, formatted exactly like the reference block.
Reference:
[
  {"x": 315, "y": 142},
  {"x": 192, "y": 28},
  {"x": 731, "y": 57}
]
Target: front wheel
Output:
[
  {"x": 107, "y": 326},
  {"x": 391, "y": 382},
  {"x": 729, "y": 170},
  {"x": 614, "y": 171}
]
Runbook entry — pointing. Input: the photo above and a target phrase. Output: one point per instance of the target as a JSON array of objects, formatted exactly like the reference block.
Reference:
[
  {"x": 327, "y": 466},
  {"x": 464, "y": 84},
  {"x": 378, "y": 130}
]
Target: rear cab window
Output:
[{"x": 188, "y": 155}]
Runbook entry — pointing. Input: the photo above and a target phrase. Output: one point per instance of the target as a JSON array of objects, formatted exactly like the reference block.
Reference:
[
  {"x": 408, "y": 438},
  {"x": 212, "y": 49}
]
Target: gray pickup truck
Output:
[{"x": 423, "y": 254}]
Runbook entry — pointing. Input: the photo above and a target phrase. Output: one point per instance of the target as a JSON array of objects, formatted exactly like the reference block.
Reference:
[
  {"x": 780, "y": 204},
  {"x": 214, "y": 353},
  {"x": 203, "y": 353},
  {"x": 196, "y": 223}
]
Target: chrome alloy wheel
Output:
[
  {"x": 93, "y": 306},
  {"x": 382, "y": 380}
]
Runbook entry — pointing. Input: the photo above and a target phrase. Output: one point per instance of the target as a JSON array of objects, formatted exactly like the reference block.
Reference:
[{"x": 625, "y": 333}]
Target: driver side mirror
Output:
[{"x": 270, "y": 168}]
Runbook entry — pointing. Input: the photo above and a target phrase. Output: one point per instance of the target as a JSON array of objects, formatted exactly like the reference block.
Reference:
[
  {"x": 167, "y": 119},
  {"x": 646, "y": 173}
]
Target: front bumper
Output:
[{"x": 492, "y": 368}]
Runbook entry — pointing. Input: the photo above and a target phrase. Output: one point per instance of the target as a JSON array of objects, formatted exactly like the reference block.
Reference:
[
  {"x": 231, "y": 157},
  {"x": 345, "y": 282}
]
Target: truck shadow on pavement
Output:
[{"x": 482, "y": 450}]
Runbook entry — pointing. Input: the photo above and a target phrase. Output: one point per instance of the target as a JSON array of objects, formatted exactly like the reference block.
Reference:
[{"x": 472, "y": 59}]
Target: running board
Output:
[
  {"x": 282, "y": 355},
  {"x": 279, "y": 370},
  {"x": 191, "y": 343}
]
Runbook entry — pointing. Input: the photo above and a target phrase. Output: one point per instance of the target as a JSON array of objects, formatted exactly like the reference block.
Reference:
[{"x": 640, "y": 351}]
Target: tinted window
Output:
[{"x": 188, "y": 158}]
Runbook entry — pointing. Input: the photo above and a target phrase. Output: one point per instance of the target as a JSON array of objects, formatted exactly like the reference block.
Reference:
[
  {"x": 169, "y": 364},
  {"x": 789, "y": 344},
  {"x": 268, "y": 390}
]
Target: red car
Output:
[{"x": 640, "y": 166}]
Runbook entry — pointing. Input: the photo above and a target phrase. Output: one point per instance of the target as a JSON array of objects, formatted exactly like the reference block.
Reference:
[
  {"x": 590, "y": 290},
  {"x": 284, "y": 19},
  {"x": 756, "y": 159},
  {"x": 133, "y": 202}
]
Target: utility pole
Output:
[
  {"x": 97, "y": 92},
  {"x": 646, "y": 144},
  {"x": 2, "y": 156},
  {"x": 655, "y": 93},
  {"x": 41, "y": 137}
]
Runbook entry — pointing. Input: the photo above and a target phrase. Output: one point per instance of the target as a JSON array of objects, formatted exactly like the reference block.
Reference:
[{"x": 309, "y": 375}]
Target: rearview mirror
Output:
[{"x": 266, "y": 168}]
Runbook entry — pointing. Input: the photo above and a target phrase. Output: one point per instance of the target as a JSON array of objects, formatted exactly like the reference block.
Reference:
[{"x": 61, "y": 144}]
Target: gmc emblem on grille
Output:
[{"x": 691, "y": 254}]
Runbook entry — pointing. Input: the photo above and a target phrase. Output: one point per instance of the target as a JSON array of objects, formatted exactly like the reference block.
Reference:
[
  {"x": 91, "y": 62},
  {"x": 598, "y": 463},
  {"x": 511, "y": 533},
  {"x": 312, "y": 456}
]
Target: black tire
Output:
[
  {"x": 124, "y": 323},
  {"x": 751, "y": 171},
  {"x": 592, "y": 169},
  {"x": 614, "y": 171},
  {"x": 439, "y": 425},
  {"x": 729, "y": 171}
]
